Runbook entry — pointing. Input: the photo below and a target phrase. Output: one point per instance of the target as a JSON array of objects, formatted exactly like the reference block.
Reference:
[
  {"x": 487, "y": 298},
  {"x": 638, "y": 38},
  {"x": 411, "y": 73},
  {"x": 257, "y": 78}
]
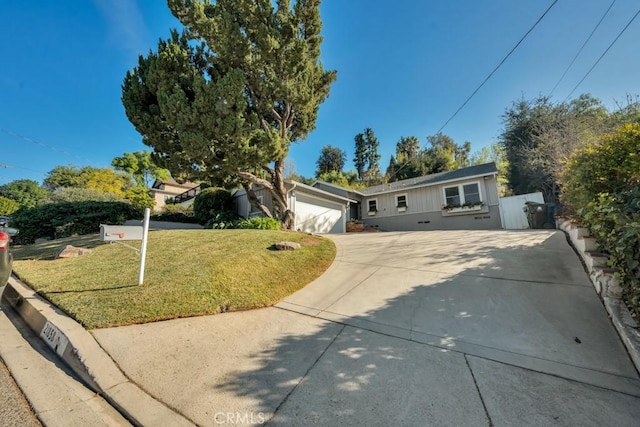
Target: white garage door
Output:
[{"x": 318, "y": 216}]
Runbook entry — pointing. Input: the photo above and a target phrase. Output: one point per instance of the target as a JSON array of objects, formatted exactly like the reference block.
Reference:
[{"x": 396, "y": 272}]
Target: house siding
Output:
[
  {"x": 241, "y": 201},
  {"x": 424, "y": 209},
  {"x": 488, "y": 219}
]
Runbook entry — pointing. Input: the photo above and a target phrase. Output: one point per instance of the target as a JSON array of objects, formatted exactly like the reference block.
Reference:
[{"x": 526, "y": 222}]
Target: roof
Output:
[
  {"x": 156, "y": 184},
  {"x": 436, "y": 178},
  {"x": 310, "y": 189}
]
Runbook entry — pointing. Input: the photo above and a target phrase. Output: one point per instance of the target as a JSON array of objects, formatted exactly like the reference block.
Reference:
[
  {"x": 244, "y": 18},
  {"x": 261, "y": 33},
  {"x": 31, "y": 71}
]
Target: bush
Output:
[
  {"x": 223, "y": 220},
  {"x": 612, "y": 165},
  {"x": 8, "y": 206},
  {"x": 76, "y": 194},
  {"x": 176, "y": 213},
  {"x": 260, "y": 223},
  {"x": 210, "y": 201},
  {"x": 57, "y": 220},
  {"x": 614, "y": 220}
]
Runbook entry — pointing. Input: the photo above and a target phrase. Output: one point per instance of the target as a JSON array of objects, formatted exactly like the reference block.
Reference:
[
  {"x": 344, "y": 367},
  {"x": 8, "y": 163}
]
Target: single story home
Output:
[
  {"x": 316, "y": 210},
  {"x": 463, "y": 199},
  {"x": 162, "y": 191}
]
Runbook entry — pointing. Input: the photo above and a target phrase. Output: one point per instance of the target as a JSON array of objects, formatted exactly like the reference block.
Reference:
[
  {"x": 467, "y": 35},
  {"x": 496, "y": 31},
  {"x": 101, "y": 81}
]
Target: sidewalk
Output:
[{"x": 57, "y": 397}]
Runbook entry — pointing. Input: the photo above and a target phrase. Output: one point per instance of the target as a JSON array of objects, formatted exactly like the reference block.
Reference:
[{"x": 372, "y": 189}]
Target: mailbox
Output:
[{"x": 113, "y": 233}]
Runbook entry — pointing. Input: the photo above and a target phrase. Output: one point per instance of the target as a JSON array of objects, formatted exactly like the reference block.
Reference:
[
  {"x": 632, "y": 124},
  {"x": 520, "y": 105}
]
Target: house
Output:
[
  {"x": 162, "y": 191},
  {"x": 462, "y": 199},
  {"x": 465, "y": 198},
  {"x": 316, "y": 210}
]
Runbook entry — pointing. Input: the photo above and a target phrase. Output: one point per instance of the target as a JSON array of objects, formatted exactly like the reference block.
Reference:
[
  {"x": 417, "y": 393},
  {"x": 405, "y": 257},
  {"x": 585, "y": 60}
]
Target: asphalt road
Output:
[{"x": 14, "y": 409}]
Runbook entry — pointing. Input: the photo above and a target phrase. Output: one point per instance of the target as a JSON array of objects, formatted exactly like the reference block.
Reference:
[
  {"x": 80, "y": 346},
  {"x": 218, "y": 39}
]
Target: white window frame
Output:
[
  {"x": 369, "y": 212},
  {"x": 460, "y": 188},
  {"x": 406, "y": 202}
]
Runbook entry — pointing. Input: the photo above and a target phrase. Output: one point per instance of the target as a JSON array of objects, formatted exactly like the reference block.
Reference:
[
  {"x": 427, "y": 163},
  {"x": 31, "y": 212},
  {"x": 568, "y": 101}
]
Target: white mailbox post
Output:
[{"x": 118, "y": 233}]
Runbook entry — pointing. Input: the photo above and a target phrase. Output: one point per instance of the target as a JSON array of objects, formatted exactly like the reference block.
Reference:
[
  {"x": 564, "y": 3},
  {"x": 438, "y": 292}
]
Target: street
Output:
[{"x": 14, "y": 409}]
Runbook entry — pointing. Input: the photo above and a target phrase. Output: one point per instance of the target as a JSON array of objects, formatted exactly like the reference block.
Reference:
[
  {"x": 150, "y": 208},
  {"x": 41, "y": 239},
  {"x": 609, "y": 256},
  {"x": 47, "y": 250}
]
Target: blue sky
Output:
[{"x": 404, "y": 67}]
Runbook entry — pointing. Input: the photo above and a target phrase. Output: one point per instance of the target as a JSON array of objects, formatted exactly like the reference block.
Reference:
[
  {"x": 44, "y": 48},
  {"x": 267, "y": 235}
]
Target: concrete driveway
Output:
[{"x": 419, "y": 328}]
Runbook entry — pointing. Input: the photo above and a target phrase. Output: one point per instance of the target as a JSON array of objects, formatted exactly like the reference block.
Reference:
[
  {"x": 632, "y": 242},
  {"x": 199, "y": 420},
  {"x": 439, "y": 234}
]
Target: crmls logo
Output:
[{"x": 239, "y": 418}]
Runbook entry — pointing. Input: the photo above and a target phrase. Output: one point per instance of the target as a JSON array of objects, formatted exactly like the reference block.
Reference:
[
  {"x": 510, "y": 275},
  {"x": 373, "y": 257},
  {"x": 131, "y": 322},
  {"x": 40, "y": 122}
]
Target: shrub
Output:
[
  {"x": 211, "y": 201},
  {"x": 260, "y": 223},
  {"x": 58, "y": 220},
  {"x": 76, "y": 194},
  {"x": 176, "y": 213},
  {"x": 614, "y": 220},
  {"x": 223, "y": 220},
  {"x": 140, "y": 197},
  {"x": 612, "y": 165},
  {"x": 8, "y": 206}
]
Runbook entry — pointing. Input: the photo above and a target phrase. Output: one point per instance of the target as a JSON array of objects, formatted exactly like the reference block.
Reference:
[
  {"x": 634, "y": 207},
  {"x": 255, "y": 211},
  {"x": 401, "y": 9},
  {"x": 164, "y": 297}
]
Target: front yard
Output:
[{"x": 188, "y": 273}]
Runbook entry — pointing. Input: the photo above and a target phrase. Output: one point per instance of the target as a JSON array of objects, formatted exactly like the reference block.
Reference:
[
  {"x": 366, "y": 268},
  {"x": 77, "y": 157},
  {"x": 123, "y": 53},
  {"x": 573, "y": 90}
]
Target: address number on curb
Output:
[{"x": 54, "y": 338}]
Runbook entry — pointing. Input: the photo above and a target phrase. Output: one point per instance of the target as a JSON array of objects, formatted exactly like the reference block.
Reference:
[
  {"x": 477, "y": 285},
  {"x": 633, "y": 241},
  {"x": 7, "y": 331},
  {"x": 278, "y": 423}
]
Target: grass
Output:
[{"x": 188, "y": 273}]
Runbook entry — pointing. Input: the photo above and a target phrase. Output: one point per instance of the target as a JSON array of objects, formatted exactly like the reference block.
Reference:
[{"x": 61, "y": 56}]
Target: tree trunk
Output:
[
  {"x": 254, "y": 201},
  {"x": 280, "y": 205}
]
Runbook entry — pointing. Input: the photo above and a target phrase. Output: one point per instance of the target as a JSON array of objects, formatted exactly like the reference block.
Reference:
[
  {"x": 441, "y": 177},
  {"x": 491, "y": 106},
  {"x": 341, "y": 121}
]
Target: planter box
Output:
[{"x": 462, "y": 210}]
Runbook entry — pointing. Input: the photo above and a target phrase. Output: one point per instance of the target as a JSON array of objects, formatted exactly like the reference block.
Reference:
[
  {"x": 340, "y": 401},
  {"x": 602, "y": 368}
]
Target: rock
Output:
[
  {"x": 70, "y": 251},
  {"x": 287, "y": 246}
]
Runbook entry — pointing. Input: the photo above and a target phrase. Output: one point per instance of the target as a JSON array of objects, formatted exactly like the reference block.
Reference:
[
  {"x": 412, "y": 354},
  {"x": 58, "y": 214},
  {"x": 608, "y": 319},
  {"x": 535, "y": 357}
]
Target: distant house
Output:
[
  {"x": 463, "y": 199},
  {"x": 162, "y": 191}
]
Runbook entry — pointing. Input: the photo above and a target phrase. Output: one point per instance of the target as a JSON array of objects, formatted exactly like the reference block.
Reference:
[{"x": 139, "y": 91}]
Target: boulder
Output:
[
  {"x": 70, "y": 251},
  {"x": 287, "y": 246}
]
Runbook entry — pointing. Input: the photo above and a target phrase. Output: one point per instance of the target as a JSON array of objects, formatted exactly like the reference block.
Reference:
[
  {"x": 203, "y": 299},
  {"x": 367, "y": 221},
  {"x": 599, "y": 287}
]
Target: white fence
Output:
[{"x": 512, "y": 212}]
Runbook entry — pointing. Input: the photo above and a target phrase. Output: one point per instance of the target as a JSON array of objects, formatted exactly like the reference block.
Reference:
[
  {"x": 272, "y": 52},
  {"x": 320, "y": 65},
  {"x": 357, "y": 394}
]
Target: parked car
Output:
[{"x": 6, "y": 260}]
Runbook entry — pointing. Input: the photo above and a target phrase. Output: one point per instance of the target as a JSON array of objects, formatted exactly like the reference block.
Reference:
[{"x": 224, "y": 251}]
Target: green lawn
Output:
[{"x": 188, "y": 273}]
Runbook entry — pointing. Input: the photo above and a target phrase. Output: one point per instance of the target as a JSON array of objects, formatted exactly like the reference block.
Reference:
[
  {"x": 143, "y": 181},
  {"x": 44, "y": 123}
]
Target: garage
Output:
[{"x": 319, "y": 214}]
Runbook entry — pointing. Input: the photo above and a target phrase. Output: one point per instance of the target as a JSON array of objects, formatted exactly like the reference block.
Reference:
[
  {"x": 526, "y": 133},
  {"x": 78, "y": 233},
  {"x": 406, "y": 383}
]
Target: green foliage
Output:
[
  {"x": 223, "y": 220},
  {"x": 259, "y": 223},
  {"x": 102, "y": 180},
  {"x": 69, "y": 219},
  {"x": 225, "y": 99},
  {"x": 74, "y": 194},
  {"x": 612, "y": 165},
  {"x": 24, "y": 191},
  {"x": 140, "y": 196},
  {"x": 539, "y": 136},
  {"x": 176, "y": 213},
  {"x": 331, "y": 160},
  {"x": 210, "y": 201},
  {"x": 367, "y": 157},
  {"x": 614, "y": 220},
  {"x": 140, "y": 166},
  {"x": 496, "y": 154},
  {"x": 8, "y": 206},
  {"x": 410, "y": 161}
]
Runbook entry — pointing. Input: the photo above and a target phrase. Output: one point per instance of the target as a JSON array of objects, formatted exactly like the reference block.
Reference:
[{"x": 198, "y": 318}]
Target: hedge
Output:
[{"x": 57, "y": 220}]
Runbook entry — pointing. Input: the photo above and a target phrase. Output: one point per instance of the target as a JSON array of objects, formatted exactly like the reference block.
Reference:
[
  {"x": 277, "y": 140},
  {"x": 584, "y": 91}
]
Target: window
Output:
[
  {"x": 462, "y": 195},
  {"x": 372, "y": 206},
  {"x": 401, "y": 201}
]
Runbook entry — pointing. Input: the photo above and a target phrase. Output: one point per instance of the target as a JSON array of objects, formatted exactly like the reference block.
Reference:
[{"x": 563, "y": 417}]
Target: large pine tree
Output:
[{"x": 225, "y": 98}]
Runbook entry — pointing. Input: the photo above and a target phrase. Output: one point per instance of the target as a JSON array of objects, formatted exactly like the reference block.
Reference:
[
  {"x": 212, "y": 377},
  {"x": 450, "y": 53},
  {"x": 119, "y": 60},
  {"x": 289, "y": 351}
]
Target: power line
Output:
[
  {"x": 602, "y": 56},
  {"x": 42, "y": 144},
  {"x": 583, "y": 45},
  {"x": 497, "y": 67}
]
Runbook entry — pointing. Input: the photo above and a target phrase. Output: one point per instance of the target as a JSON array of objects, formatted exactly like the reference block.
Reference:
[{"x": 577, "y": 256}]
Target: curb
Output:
[
  {"x": 81, "y": 352},
  {"x": 607, "y": 288}
]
